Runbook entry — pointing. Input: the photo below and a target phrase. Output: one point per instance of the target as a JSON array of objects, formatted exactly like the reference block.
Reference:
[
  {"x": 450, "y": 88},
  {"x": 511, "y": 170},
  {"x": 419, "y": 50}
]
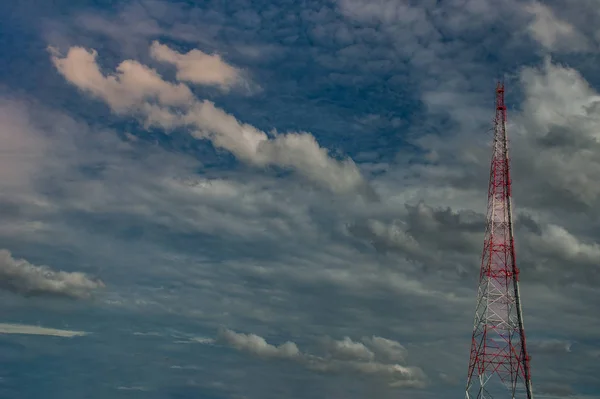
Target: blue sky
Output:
[{"x": 254, "y": 199}]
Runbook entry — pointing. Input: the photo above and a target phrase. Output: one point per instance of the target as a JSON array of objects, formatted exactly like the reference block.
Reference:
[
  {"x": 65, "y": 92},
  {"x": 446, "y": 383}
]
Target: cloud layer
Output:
[
  {"x": 140, "y": 90},
  {"x": 174, "y": 190},
  {"x": 344, "y": 356}
]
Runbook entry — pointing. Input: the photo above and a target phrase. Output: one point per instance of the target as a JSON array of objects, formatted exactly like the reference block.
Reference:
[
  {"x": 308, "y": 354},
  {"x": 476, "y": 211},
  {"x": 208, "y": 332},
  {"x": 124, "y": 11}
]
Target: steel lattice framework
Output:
[{"x": 499, "y": 358}]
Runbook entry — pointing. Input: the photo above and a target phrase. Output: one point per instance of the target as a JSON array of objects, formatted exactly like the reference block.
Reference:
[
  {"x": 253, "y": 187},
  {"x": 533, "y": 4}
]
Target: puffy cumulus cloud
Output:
[
  {"x": 128, "y": 90},
  {"x": 395, "y": 375},
  {"x": 297, "y": 151},
  {"x": 196, "y": 66},
  {"x": 369, "y": 349},
  {"x": 386, "y": 348},
  {"x": 554, "y": 254},
  {"x": 257, "y": 345},
  {"x": 348, "y": 349},
  {"x": 21, "y": 277},
  {"x": 343, "y": 356},
  {"x": 554, "y": 148},
  {"x": 140, "y": 89},
  {"x": 557, "y": 131},
  {"x": 553, "y": 33},
  {"x": 558, "y": 243},
  {"x": 556, "y": 95}
]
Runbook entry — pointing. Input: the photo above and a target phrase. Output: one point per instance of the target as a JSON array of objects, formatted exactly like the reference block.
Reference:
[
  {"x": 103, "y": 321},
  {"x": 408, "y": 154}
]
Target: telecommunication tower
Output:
[{"x": 499, "y": 358}]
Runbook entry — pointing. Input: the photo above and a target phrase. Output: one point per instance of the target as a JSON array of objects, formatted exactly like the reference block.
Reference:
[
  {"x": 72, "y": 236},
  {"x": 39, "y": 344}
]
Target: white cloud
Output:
[
  {"x": 21, "y": 277},
  {"x": 557, "y": 131},
  {"x": 257, "y": 345},
  {"x": 554, "y": 146},
  {"x": 368, "y": 350},
  {"x": 557, "y": 243},
  {"x": 394, "y": 374},
  {"x": 136, "y": 88},
  {"x": 128, "y": 90},
  {"x": 297, "y": 151},
  {"x": 196, "y": 66},
  {"x": 344, "y": 356},
  {"x": 346, "y": 349},
  {"x": 386, "y": 348},
  {"x": 559, "y": 95},
  {"x": 552, "y": 32},
  {"x": 7, "y": 328}
]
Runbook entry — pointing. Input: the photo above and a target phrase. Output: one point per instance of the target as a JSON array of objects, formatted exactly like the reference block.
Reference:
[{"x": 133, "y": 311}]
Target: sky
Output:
[{"x": 267, "y": 199}]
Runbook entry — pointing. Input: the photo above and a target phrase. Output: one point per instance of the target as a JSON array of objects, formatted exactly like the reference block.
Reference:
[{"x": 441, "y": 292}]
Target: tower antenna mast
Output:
[{"x": 499, "y": 358}]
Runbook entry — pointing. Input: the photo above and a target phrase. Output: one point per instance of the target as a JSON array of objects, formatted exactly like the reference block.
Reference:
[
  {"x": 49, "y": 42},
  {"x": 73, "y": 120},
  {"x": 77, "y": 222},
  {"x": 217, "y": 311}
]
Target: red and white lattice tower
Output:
[{"x": 499, "y": 358}]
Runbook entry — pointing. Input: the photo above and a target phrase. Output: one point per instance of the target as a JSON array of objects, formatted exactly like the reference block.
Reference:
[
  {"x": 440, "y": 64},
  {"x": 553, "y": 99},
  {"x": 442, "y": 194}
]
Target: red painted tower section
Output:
[{"x": 499, "y": 363}]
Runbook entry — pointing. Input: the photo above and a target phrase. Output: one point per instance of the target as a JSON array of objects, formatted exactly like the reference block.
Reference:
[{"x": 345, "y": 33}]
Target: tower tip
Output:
[{"x": 500, "y": 86}]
